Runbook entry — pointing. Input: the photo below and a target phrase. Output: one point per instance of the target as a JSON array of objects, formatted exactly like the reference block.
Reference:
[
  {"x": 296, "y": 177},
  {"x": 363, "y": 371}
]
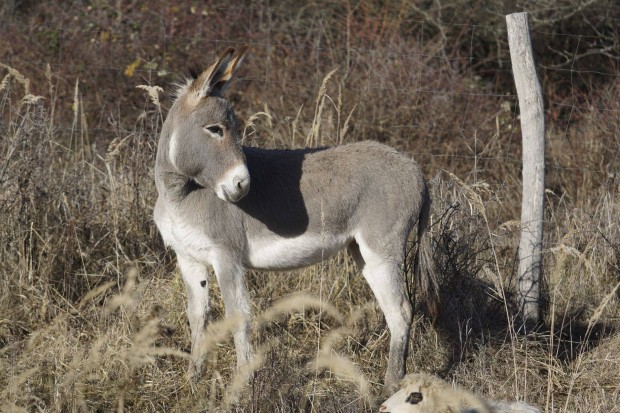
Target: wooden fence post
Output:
[{"x": 533, "y": 130}]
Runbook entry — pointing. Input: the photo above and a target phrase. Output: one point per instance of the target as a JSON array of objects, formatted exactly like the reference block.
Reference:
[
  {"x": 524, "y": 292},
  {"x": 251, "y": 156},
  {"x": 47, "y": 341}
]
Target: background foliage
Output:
[{"x": 91, "y": 304}]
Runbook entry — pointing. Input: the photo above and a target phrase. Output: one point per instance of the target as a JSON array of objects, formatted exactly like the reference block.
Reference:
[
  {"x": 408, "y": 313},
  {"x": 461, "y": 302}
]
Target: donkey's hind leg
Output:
[{"x": 386, "y": 280}]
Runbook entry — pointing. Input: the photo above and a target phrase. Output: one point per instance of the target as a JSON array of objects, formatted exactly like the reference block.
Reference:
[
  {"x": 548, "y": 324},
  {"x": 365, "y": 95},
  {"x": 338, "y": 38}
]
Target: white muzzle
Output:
[{"x": 234, "y": 185}]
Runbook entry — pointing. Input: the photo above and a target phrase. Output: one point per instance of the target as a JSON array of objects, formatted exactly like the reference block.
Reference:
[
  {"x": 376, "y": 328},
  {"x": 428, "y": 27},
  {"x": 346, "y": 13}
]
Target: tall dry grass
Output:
[{"x": 92, "y": 309}]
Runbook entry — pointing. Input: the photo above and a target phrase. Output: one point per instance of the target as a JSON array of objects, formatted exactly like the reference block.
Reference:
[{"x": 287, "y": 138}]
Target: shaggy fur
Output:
[{"x": 425, "y": 393}]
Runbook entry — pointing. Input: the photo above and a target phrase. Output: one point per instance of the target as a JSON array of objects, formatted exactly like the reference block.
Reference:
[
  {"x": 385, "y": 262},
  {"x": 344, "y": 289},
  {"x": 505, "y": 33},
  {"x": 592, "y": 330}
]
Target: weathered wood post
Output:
[{"x": 533, "y": 130}]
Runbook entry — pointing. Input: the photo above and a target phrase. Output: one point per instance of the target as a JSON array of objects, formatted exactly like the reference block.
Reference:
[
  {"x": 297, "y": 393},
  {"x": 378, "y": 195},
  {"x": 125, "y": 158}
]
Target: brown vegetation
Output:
[{"x": 92, "y": 306}]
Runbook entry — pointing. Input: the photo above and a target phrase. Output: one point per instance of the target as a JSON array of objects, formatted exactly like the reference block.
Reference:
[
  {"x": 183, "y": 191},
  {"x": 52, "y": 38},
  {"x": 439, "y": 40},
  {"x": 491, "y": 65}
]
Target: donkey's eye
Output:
[
  {"x": 215, "y": 130},
  {"x": 414, "y": 398}
]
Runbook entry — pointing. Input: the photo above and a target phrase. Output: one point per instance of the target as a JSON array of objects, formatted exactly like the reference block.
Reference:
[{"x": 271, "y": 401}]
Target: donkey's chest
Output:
[{"x": 185, "y": 237}]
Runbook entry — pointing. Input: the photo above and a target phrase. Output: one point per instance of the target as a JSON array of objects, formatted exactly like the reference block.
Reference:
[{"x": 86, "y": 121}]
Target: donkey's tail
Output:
[{"x": 426, "y": 285}]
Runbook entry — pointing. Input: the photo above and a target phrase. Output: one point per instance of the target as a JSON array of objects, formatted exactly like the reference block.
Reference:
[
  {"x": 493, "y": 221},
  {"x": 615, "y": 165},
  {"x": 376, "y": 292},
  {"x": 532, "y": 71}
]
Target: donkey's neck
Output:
[
  {"x": 168, "y": 179},
  {"x": 177, "y": 187},
  {"x": 174, "y": 185}
]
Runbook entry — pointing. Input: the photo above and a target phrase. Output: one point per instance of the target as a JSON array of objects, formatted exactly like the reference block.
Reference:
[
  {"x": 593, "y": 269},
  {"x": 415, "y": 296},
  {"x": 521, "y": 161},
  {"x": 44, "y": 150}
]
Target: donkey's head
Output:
[{"x": 204, "y": 137}]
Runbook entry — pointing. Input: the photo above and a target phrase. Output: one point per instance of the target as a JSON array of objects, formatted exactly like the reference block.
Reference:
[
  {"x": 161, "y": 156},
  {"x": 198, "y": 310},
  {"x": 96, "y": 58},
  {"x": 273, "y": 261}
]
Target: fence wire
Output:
[{"x": 168, "y": 40}]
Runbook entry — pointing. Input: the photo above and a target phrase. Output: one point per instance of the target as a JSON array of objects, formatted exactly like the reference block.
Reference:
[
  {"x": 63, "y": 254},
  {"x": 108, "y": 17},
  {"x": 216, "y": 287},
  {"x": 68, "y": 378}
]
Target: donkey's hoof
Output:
[{"x": 194, "y": 372}]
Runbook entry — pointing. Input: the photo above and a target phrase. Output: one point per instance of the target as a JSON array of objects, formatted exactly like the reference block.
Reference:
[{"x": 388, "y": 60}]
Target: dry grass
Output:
[{"x": 92, "y": 309}]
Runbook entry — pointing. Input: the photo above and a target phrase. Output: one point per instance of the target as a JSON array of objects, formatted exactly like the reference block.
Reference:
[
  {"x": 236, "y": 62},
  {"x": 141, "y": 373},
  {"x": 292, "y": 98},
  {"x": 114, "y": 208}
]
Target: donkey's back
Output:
[{"x": 314, "y": 202}]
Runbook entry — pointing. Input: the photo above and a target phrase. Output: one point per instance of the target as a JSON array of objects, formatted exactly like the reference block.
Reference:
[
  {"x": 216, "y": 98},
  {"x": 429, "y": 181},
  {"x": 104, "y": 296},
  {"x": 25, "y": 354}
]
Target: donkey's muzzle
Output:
[{"x": 235, "y": 184}]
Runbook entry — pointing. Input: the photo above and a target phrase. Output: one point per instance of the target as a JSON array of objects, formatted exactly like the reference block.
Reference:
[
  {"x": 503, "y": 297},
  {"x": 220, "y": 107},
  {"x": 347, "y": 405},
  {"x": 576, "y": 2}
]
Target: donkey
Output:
[{"x": 231, "y": 208}]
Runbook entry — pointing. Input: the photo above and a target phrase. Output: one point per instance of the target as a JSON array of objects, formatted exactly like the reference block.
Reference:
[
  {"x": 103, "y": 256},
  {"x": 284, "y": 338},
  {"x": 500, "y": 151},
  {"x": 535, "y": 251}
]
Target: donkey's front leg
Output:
[
  {"x": 195, "y": 278},
  {"x": 230, "y": 278}
]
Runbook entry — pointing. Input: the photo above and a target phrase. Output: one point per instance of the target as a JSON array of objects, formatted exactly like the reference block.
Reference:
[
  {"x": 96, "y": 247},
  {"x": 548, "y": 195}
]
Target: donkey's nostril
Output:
[
  {"x": 383, "y": 409},
  {"x": 241, "y": 183}
]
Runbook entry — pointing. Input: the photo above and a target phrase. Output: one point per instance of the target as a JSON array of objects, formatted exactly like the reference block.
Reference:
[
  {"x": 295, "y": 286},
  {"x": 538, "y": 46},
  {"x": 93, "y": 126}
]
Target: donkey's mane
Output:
[
  {"x": 182, "y": 84},
  {"x": 180, "y": 87},
  {"x": 193, "y": 72}
]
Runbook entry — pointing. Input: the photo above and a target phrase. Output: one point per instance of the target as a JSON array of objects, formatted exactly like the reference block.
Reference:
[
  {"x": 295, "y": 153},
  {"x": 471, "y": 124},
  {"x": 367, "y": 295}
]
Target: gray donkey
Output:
[{"x": 233, "y": 208}]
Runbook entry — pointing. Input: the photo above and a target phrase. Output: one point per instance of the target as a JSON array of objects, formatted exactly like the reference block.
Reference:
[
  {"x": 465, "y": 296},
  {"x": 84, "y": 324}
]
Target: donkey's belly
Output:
[{"x": 276, "y": 253}]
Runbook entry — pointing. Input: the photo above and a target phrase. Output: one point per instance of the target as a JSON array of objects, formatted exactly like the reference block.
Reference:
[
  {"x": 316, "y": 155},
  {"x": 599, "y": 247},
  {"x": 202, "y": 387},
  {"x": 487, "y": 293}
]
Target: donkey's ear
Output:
[{"x": 219, "y": 75}]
